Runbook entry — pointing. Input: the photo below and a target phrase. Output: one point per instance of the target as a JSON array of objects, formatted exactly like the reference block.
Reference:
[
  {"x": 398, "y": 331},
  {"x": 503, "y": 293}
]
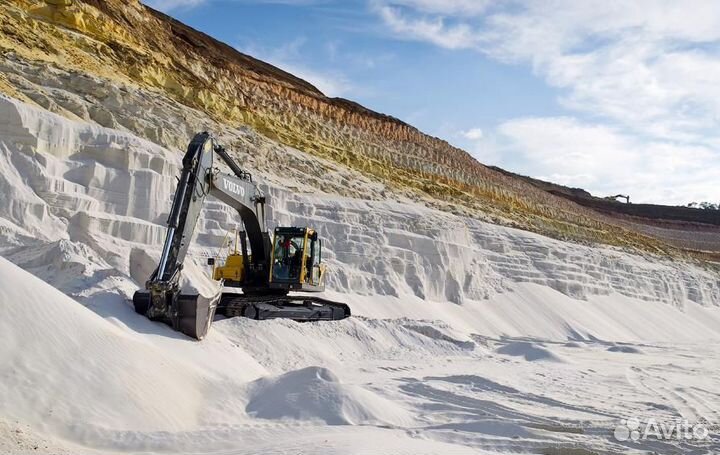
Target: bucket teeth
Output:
[{"x": 190, "y": 314}]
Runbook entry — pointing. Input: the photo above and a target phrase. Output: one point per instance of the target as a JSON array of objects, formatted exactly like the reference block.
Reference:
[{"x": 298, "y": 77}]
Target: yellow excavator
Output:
[{"x": 265, "y": 270}]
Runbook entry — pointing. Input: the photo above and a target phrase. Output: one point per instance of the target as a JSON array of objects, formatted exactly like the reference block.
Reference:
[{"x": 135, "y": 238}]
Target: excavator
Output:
[
  {"x": 265, "y": 269},
  {"x": 615, "y": 198}
]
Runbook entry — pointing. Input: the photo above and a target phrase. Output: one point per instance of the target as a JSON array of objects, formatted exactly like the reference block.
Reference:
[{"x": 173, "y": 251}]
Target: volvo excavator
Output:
[{"x": 265, "y": 269}]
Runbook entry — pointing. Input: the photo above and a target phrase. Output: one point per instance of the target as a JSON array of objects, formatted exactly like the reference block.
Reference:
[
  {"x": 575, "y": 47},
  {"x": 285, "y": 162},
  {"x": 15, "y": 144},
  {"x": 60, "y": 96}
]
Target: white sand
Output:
[{"x": 468, "y": 337}]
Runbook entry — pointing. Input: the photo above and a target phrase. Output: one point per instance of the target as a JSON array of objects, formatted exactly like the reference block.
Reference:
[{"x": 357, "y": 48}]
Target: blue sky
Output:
[{"x": 611, "y": 96}]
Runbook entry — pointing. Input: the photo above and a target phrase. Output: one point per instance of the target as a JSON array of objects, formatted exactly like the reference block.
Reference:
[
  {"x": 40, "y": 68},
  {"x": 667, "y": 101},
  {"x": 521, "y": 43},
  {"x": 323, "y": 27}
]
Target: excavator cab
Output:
[{"x": 296, "y": 262}]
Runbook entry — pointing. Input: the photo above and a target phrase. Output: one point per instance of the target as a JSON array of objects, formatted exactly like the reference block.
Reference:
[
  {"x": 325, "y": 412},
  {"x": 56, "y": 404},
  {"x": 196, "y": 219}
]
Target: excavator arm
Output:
[{"x": 163, "y": 301}]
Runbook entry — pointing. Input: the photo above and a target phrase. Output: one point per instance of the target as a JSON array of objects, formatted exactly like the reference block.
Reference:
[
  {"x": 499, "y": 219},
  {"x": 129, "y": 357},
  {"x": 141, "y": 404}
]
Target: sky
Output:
[{"x": 610, "y": 96}]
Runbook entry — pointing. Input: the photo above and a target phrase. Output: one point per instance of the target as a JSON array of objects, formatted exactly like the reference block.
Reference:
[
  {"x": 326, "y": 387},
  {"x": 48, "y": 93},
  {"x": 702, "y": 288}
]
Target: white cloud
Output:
[
  {"x": 605, "y": 161},
  {"x": 433, "y": 30},
  {"x": 463, "y": 7},
  {"x": 648, "y": 65},
  {"x": 473, "y": 134}
]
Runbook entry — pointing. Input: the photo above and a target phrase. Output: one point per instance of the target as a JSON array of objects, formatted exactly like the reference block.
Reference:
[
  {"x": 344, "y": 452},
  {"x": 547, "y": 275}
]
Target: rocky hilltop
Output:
[
  {"x": 124, "y": 65},
  {"x": 684, "y": 227}
]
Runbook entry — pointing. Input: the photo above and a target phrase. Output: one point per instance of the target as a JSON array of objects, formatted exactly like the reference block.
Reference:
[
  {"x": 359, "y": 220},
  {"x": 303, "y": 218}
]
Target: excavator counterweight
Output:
[{"x": 291, "y": 261}]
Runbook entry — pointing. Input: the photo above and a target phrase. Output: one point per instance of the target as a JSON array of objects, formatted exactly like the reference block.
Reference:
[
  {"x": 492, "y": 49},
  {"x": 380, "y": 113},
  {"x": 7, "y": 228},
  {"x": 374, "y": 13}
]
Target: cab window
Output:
[{"x": 287, "y": 256}]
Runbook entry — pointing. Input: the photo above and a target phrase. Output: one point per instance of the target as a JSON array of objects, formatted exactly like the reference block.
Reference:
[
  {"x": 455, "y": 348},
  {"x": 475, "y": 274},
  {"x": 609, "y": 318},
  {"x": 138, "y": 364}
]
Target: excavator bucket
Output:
[
  {"x": 193, "y": 314},
  {"x": 196, "y": 313}
]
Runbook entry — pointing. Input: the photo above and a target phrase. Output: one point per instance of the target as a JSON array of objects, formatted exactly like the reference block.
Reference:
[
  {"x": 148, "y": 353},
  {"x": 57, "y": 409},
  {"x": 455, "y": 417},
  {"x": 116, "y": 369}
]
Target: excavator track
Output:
[{"x": 299, "y": 308}]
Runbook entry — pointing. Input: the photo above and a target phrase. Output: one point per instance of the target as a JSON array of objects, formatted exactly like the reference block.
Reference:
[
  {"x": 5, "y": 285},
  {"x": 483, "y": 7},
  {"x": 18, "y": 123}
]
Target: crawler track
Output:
[{"x": 298, "y": 308}]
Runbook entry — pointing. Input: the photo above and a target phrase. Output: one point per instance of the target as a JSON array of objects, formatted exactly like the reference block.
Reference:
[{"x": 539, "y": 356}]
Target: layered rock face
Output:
[
  {"x": 85, "y": 208},
  {"x": 120, "y": 63}
]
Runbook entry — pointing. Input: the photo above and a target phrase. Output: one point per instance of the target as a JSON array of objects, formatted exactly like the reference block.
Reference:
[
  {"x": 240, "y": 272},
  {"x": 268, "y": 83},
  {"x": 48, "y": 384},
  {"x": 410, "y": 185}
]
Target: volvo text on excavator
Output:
[{"x": 265, "y": 269}]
